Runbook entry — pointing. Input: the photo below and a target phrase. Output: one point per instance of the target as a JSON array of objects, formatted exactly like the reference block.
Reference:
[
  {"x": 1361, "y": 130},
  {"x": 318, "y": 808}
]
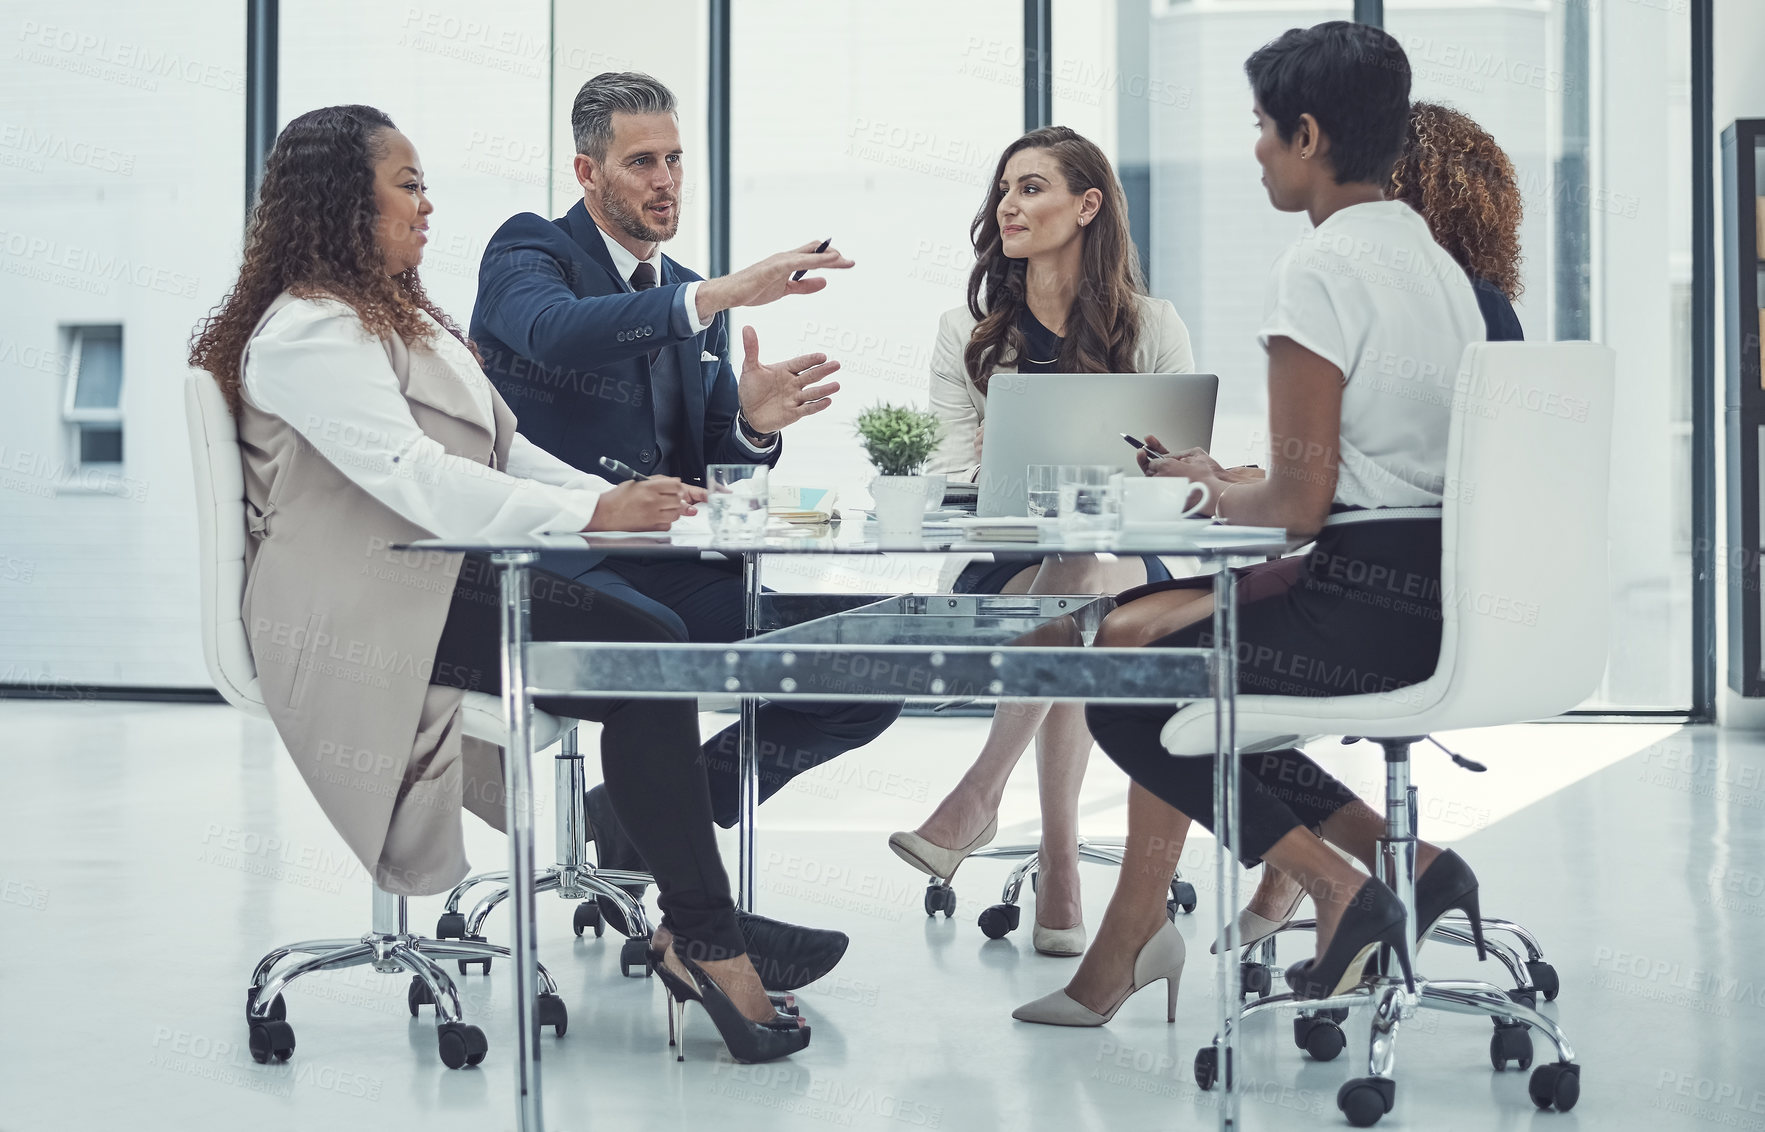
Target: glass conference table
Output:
[{"x": 876, "y": 647}]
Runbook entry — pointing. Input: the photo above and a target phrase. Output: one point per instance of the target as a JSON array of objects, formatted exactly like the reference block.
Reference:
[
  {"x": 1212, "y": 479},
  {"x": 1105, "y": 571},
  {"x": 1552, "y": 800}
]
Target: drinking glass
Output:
[
  {"x": 737, "y": 503},
  {"x": 1089, "y": 499},
  {"x": 1044, "y": 490}
]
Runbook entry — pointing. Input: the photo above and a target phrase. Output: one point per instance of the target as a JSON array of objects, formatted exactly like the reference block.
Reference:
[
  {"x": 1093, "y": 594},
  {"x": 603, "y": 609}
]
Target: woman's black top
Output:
[
  {"x": 1041, "y": 346},
  {"x": 1502, "y": 324}
]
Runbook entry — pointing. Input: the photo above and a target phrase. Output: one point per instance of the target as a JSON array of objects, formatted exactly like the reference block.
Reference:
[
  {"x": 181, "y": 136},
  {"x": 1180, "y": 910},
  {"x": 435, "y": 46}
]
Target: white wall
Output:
[{"x": 121, "y": 168}]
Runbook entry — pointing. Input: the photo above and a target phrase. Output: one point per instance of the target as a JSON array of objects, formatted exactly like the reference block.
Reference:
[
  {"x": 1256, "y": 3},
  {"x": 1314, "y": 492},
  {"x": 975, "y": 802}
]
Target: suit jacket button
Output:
[{"x": 646, "y": 455}]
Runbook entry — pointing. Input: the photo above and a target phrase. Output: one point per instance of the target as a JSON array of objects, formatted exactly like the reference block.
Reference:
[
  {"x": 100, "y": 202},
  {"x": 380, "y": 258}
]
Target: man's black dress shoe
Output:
[{"x": 788, "y": 956}]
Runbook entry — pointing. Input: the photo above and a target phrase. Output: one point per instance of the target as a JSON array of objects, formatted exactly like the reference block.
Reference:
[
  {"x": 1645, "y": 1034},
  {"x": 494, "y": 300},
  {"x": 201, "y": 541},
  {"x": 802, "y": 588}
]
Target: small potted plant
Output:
[{"x": 899, "y": 439}]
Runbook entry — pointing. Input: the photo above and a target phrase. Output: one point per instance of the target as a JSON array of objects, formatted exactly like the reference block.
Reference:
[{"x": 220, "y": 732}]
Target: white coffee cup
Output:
[{"x": 1161, "y": 499}]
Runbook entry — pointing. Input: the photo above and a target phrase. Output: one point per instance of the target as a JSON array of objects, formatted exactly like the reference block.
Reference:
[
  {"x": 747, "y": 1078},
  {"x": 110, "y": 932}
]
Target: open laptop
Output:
[{"x": 1078, "y": 418}]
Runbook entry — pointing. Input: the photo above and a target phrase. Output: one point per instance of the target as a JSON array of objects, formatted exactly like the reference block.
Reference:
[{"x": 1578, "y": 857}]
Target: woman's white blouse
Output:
[
  {"x": 1370, "y": 292},
  {"x": 315, "y": 366}
]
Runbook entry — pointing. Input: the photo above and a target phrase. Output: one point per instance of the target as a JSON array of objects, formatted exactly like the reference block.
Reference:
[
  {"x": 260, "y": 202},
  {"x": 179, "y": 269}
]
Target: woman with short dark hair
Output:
[{"x": 1360, "y": 309}]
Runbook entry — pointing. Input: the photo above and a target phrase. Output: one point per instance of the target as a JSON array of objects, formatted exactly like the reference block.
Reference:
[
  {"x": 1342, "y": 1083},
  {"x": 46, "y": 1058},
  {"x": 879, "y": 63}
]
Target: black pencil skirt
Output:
[{"x": 1359, "y": 613}]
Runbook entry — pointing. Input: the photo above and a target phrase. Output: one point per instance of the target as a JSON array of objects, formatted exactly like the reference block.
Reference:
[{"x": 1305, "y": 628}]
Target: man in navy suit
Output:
[{"x": 605, "y": 347}]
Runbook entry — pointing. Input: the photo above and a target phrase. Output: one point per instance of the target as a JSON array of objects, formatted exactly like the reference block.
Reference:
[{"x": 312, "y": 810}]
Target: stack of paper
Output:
[
  {"x": 803, "y": 506},
  {"x": 1003, "y": 528}
]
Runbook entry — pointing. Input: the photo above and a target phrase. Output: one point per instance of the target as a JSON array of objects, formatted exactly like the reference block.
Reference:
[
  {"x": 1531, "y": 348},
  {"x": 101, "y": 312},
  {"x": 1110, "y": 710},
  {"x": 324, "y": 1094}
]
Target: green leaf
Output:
[{"x": 898, "y": 438}]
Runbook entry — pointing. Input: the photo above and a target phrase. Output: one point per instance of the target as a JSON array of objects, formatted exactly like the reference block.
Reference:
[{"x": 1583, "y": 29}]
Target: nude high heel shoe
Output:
[
  {"x": 1061, "y": 943},
  {"x": 1253, "y": 928},
  {"x": 1161, "y": 958},
  {"x": 935, "y": 860}
]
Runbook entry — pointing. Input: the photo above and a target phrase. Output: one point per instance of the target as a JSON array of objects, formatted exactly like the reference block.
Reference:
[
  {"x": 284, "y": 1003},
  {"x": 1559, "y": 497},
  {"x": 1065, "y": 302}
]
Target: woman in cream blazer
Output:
[
  {"x": 1056, "y": 288},
  {"x": 365, "y": 421}
]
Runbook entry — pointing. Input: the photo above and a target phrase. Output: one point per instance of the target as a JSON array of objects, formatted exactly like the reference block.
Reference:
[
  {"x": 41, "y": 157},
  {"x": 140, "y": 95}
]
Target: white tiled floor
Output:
[{"x": 149, "y": 854}]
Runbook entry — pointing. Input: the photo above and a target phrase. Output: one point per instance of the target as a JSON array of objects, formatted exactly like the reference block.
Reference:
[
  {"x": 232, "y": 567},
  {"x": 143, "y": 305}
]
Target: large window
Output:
[{"x": 884, "y": 138}]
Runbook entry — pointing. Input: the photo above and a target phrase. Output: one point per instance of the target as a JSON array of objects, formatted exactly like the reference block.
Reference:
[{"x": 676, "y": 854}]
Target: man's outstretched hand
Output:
[
  {"x": 769, "y": 280},
  {"x": 776, "y": 395}
]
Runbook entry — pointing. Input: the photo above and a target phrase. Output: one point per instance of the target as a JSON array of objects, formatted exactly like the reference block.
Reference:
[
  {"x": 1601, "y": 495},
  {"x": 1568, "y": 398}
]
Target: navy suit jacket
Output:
[{"x": 568, "y": 348}]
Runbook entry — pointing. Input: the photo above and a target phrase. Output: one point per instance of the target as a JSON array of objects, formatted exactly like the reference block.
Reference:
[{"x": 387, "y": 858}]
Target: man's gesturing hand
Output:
[
  {"x": 773, "y": 396},
  {"x": 769, "y": 280},
  {"x": 644, "y": 505}
]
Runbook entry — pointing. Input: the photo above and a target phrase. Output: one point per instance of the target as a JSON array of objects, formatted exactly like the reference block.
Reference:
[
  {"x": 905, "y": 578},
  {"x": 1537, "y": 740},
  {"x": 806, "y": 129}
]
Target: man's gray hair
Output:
[{"x": 610, "y": 93}]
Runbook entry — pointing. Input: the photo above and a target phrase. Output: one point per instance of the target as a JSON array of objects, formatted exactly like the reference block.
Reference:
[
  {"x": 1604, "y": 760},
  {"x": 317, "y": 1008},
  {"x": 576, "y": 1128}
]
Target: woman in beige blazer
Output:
[
  {"x": 1056, "y": 288},
  {"x": 365, "y": 421}
]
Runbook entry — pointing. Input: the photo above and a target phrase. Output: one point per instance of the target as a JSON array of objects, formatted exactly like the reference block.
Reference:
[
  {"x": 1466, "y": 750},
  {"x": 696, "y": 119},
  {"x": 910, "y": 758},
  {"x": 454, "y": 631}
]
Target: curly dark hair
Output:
[
  {"x": 1104, "y": 322},
  {"x": 312, "y": 233},
  {"x": 1454, "y": 174}
]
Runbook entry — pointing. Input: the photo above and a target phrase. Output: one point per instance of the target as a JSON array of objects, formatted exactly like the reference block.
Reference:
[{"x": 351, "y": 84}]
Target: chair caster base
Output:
[
  {"x": 278, "y": 1007},
  {"x": 460, "y": 1045},
  {"x": 1000, "y": 920},
  {"x": 635, "y": 952},
  {"x": 1544, "y": 977},
  {"x": 1364, "y": 1100},
  {"x": 483, "y": 964},
  {"x": 1207, "y": 1067},
  {"x": 588, "y": 915},
  {"x": 271, "y": 1041},
  {"x": 940, "y": 898},
  {"x": 1321, "y": 1038},
  {"x": 552, "y": 1013},
  {"x": 419, "y": 995},
  {"x": 1255, "y": 980},
  {"x": 1557, "y": 1085},
  {"x": 1512, "y": 1041},
  {"x": 451, "y": 925},
  {"x": 1182, "y": 898}
]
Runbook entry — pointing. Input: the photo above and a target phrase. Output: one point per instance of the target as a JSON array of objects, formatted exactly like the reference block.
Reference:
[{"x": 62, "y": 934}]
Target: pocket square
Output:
[{"x": 708, "y": 356}]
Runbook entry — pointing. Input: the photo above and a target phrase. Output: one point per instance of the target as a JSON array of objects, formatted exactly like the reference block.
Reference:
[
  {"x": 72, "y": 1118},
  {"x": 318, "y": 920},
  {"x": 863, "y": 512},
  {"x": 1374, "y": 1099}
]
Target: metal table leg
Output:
[
  {"x": 518, "y": 799},
  {"x": 747, "y": 759},
  {"x": 1225, "y": 823}
]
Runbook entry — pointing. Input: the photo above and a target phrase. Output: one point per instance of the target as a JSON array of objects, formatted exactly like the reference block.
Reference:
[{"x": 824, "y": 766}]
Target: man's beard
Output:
[{"x": 632, "y": 222}]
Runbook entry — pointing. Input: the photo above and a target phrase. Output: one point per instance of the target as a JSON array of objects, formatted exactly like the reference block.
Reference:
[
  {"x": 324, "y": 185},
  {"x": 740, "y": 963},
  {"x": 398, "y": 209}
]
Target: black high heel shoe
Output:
[
  {"x": 1374, "y": 917},
  {"x": 1448, "y": 885},
  {"x": 748, "y": 1041},
  {"x": 784, "y": 1003}
]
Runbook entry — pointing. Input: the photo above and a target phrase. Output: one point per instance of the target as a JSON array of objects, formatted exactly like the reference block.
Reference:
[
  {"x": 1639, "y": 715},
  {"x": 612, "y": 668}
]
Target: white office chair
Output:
[
  {"x": 1523, "y": 583},
  {"x": 388, "y": 945}
]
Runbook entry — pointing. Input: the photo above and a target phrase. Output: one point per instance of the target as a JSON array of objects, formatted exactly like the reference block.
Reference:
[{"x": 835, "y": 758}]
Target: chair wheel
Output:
[
  {"x": 452, "y": 925},
  {"x": 940, "y": 898},
  {"x": 1364, "y": 1100},
  {"x": 552, "y": 1013},
  {"x": 1512, "y": 1041},
  {"x": 1544, "y": 977},
  {"x": 1321, "y": 1038},
  {"x": 635, "y": 952},
  {"x": 271, "y": 1040},
  {"x": 483, "y": 964},
  {"x": 1524, "y": 996},
  {"x": 1255, "y": 980},
  {"x": 418, "y": 995},
  {"x": 1000, "y": 919},
  {"x": 1557, "y": 1085},
  {"x": 1182, "y": 896},
  {"x": 588, "y": 915},
  {"x": 460, "y": 1044},
  {"x": 1207, "y": 1067},
  {"x": 278, "y": 1008}
]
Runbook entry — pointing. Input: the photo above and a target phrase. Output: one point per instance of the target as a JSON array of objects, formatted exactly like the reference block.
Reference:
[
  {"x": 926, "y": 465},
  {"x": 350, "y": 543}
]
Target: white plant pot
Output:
[{"x": 900, "y": 506}]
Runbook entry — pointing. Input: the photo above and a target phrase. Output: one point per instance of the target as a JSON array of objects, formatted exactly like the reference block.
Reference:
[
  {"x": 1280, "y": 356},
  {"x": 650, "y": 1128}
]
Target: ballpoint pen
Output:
[{"x": 623, "y": 471}]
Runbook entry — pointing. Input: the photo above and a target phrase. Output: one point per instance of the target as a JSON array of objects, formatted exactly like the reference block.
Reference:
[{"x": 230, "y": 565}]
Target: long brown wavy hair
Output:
[
  {"x": 1454, "y": 174},
  {"x": 1104, "y": 323},
  {"x": 312, "y": 233}
]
